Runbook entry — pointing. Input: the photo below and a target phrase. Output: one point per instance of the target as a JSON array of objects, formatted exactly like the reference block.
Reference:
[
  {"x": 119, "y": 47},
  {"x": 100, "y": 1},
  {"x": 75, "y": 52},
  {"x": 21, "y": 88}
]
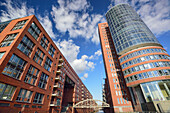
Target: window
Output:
[
  {"x": 26, "y": 46},
  {"x": 115, "y": 86},
  {"x": 51, "y": 50},
  {"x": 1, "y": 54},
  {"x": 15, "y": 67},
  {"x": 118, "y": 101},
  {"x": 34, "y": 30},
  {"x": 124, "y": 101},
  {"x": 119, "y": 93},
  {"x": 48, "y": 63},
  {"x": 38, "y": 98},
  {"x": 19, "y": 25},
  {"x": 6, "y": 91},
  {"x": 44, "y": 42},
  {"x": 113, "y": 80},
  {"x": 43, "y": 80},
  {"x": 121, "y": 101},
  {"x": 24, "y": 95},
  {"x": 38, "y": 57},
  {"x": 116, "y": 93},
  {"x": 31, "y": 75},
  {"x": 127, "y": 100},
  {"x": 58, "y": 101},
  {"x": 8, "y": 40},
  {"x": 3, "y": 25}
]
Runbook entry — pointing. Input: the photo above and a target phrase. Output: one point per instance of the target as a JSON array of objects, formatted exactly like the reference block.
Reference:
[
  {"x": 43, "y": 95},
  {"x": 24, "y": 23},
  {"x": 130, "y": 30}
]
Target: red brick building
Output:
[
  {"x": 116, "y": 91},
  {"x": 34, "y": 75}
]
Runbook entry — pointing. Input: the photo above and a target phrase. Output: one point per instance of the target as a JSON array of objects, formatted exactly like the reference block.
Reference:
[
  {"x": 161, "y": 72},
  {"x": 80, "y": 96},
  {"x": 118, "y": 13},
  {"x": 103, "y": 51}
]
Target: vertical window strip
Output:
[
  {"x": 26, "y": 46},
  {"x": 31, "y": 75},
  {"x": 6, "y": 91},
  {"x": 19, "y": 25},
  {"x": 14, "y": 67},
  {"x": 43, "y": 80},
  {"x": 24, "y": 95},
  {"x": 8, "y": 40}
]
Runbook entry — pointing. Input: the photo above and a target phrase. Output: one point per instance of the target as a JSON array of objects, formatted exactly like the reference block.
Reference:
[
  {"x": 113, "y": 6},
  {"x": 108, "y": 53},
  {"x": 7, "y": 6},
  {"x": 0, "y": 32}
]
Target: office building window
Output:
[
  {"x": 31, "y": 75},
  {"x": 58, "y": 101},
  {"x": 8, "y": 40},
  {"x": 14, "y": 67},
  {"x": 1, "y": 54},
  {"x": 38, "y": 57},
  {"x": 6, "y": 91},
  {"x": 44, "y": 42},
  {"x": 113, "y": 80},
  {"x": 118, "y": 101},
  {"x": 3, "y": 25},
  {"x": 19, "y": 25},
  {"x": 38, "y": 98},
  {"x": 124, "y": 100},
  {"x": 26, "y": 46},
  {"x": 121, "y": 100},
  {"x": 43, "y": 80},
  {"x": 34, "y": 30},
  {"x": 127, "y": 100},
  {"x": 24, "y": 95},
  {"x": 51, "y": 50},
  {"x": 116, "y": 93},
  {"x": 48, "y": 63},
  {"x": 115, "y": 86}
]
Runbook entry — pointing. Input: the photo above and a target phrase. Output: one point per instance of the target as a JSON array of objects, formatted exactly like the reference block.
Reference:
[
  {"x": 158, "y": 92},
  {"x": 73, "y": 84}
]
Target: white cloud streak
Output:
[
  {"x": 14, "y": 10},
  {"x": 47, "y": 25}
]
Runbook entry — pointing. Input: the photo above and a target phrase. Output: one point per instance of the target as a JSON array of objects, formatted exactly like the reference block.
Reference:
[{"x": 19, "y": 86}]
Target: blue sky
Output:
[{"x": 72, "y": 25}]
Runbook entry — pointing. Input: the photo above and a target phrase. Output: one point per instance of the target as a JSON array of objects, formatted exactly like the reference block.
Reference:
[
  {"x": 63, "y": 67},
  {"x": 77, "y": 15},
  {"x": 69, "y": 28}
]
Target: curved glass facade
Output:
[
  {"x": 156, "y": 91},
  {"x": 127, "y": 29}
]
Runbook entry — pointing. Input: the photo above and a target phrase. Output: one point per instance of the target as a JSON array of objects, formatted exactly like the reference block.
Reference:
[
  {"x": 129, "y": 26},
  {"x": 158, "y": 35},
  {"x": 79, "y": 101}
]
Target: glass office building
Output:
[{"x": 144, "y": 61}]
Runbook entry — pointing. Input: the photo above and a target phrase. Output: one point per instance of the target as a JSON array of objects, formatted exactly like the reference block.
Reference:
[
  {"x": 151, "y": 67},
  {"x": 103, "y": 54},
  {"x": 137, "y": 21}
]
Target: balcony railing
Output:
[
  {"x": 56, "y": 86},
  {"x": 53, "y": 103},
  {"x": 59, "y": 71},
  {"x": 61, "y": 60},
  {"x": 57, "y": 78}
]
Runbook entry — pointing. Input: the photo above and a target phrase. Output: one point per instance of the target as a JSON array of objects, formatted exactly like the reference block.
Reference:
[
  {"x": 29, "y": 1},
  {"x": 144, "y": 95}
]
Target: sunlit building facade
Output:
[
  {"x": 34, "y": 75},
  {"x": 115, "y": 90},
  {"x": 145, "y": 63}
]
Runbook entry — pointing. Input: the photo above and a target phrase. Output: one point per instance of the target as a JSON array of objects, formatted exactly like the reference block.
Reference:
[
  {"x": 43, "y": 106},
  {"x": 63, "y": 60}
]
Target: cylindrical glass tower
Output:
[
  {"x": 128, "y": 30},
  {"x": 145, "y": 63}
]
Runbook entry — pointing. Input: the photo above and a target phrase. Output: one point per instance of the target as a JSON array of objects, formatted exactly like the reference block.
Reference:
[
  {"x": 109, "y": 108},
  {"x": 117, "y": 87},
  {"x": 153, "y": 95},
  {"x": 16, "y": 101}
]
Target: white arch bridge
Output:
[{"x": 91, "y": 103}]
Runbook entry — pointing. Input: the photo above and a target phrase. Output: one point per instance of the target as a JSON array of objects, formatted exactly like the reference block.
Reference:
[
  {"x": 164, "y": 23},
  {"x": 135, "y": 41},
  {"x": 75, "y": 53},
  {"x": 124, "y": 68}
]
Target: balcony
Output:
[
  {"x": 56, "y": 86},
  {"x": 57, "y": 78},
  {"x": 53, "y": 105},
  {"x": 55, "y": 94},
  {"x": 59, "y": 71},
  {"x": 60, "y": 65},
  {"x": 61, "y": 60}
]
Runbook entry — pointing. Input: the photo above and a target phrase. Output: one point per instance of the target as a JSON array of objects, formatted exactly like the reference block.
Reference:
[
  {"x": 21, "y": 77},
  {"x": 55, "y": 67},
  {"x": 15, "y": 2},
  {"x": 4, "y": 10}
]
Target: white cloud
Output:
[
  {"x": 67, "y": 18},
  {"x": 85, "y": 76},
  {"x": 71, "y": 51},
  {"x": 14, "y": 10},
  {"x": 47, "y": 25},
  {"x": 155, "y": 13},
  {"x": 96, "y": 54}
]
